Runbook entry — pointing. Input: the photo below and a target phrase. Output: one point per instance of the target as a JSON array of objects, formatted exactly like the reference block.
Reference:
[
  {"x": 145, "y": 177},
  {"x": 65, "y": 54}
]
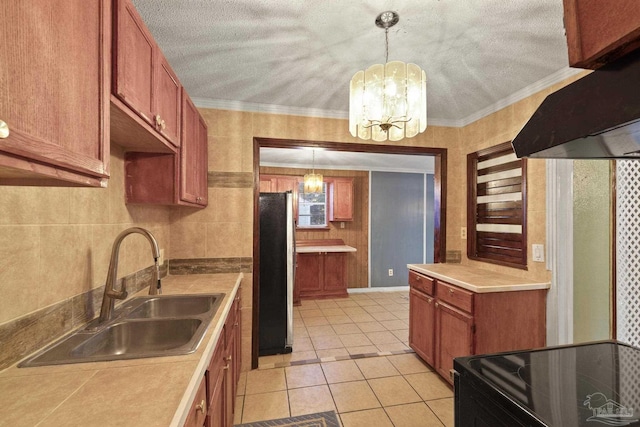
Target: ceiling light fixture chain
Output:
[{"x": 388, "y": 101}]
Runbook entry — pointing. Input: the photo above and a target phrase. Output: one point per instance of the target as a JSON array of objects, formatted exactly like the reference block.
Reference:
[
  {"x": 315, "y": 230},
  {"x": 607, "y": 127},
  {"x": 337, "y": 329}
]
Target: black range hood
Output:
[{"x": 596, "y": 117}]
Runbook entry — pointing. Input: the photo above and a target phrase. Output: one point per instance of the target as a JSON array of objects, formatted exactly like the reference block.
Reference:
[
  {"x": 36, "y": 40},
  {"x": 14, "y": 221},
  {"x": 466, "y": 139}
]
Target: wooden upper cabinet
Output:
[
  {"x": 54, "y": 97},
  {"x": 341, "y": 199},
  {"x": 599, "y": 32},
  {"x": 193, "y": 154},
  {"x": 144, "y": 85}
]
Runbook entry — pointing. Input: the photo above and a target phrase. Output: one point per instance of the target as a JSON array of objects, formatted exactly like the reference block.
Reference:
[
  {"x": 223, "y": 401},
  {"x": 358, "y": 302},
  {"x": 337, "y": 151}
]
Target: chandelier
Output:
[
  {"x": 312, "y": 182},
  {"x": 388, "y": 101}
]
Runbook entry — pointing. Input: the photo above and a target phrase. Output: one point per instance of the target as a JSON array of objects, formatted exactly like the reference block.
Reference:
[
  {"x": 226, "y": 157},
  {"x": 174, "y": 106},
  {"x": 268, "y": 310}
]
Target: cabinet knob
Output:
[
  {"x": 429, "y": 300},
  {"x": 163, "y": 125},
  {"x": 437, "y": 305},
  {"x": 228, "y": 358},
  {"x": 201, "y": 406},
  {"x": 4, "y": 129},
  {"x": 450, "y": 291},
  {"x": 226, "y": 367}
]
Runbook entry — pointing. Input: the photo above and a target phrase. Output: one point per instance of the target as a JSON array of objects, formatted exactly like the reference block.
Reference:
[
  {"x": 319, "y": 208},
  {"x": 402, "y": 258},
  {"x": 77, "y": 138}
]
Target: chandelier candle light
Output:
[
  {"x": 388, "y": 101},
  {"x": 312, "y": 181}
]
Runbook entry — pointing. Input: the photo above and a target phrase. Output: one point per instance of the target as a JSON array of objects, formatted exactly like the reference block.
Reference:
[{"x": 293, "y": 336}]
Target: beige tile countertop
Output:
[
  {"x": 324, "y": 248},
  {"x": 476, "y": 279},
  {"x": 138, "y": 392}
]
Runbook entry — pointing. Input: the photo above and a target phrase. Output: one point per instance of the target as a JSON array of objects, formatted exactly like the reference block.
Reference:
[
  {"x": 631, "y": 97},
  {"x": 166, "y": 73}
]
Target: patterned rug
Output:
[{"x": 321, "y": 419}]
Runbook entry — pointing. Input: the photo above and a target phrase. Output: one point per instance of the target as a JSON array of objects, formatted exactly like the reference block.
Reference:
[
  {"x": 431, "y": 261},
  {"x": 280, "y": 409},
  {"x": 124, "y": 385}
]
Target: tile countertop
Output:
[
  {"x": 476, "y": 279},
  {"x": 138, "y": 392},
  {"x": 325, "y": 248}
]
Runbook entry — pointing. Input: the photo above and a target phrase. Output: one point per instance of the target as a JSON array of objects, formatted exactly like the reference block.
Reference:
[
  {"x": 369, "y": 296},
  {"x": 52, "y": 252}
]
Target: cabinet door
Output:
[
  {"x": 216, "y": 391},
  {"x": 192, "y": 155},
  {"x": 268, "y": 185},
  {"x": 287, "y": 184},
  {"x": 335, "y": 277},
  {"x": 308, "y": 274},
  {"x": 54, "y": 97},
  {"x": 454, "y": 337},
  {"x": 598, "y": 33},
  {"x": 167, "y": 100},
  {"x": 422, "y": 317},
  {"x": 134, "y": 64},
  {"x": 342, "y": 199}
]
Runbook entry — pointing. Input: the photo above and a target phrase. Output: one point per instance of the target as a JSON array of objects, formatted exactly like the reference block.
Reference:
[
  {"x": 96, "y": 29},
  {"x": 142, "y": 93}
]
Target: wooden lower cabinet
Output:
[
  {"x": 321, "y": 275},
  {"x": 446, "y": 321},
  {"x": 198, "y": 412},
  {"x": 224, "y": 372}
]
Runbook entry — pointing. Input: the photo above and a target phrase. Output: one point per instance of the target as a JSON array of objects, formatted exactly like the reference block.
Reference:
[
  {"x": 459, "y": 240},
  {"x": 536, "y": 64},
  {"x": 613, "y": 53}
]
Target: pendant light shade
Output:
[
  {"x": 388, "y": 101},
  {"x": 313, "y": 182}
]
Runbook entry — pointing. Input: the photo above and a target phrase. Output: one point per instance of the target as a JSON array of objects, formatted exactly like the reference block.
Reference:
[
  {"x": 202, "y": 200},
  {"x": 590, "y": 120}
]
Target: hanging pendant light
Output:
[
  {"x": 388, "y": 101},
  {"x": 313, "y": 181}
]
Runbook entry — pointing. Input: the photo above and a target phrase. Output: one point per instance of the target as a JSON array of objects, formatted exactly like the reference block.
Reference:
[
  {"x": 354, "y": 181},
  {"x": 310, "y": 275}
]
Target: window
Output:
[{"x": 312, "y": 208}]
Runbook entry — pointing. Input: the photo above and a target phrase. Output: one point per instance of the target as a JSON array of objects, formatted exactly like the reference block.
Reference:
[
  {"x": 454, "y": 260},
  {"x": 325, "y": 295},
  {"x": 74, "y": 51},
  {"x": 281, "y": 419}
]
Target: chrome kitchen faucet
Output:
[{"x": 110, "y": 293}]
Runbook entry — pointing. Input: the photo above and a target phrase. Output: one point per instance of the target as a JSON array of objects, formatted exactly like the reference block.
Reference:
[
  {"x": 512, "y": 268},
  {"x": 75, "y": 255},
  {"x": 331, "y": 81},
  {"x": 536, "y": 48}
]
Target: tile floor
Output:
[{"x": 350, "y": 355}]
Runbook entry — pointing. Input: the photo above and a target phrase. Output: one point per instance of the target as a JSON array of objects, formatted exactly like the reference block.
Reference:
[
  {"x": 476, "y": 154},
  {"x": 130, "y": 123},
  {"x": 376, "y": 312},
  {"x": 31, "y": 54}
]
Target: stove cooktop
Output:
[{"x": 593, "y": 384}]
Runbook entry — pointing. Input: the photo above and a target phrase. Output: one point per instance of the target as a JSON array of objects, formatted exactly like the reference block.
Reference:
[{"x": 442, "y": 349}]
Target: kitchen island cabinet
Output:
[
  {"x": 54, "y": 102},
  {"x": 74, "y": 394},
  {"x": 321, "y": 269},
  {"x": 456, "y": 311}
]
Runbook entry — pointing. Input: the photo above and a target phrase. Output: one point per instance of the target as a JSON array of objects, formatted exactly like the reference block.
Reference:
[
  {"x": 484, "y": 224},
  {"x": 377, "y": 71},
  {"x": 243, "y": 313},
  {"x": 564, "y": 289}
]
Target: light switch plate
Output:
[
  {"x": 538, "y": 252},
  {"x": 463, "y": 233}
]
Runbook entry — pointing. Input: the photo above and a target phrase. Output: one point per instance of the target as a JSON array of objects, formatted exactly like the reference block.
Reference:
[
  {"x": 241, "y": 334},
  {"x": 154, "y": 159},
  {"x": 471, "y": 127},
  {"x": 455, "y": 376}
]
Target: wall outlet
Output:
[
  {"x": 342, "y": 225},
  {"x": 390, "y": 272},
  {"x": 538, "y": 252},
  {"x": 463, "y": 233}
]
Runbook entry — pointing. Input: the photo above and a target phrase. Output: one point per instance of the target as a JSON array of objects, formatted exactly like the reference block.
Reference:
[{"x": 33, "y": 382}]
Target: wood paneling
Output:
[{"x": 355, "y": 233}]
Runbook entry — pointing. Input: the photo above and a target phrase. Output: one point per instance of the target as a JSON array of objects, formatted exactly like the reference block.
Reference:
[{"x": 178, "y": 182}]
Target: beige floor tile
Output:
[
  {"x": 368, "y": 418},
  {"x": 394, "y": 325},
  {"x": 341, "y": 371},
  {"x": 382, "y": 337},
  {"x": 375, "y": 309},
  {"x": 315, "y": 321},
  {"x": 237, "y": 415},
  {"x": 269, "y": 360},
  {"x": 302, "y": 344},
  {"x": 402, "y": 315},
  {"x": 309, "y": 400},
  {"x": 265, "y": 406},
  {"x": 307, "y": 305},
  {"x": 401, "y": 334},
  {"x": 347, "y": 303},
  {"x": 326, "y": 342},
  {"x": 347, "y": 328},
  {"x": 300, "y": 355},
  {"x": 339, "y": 320},
  {"x": 326, "y": 303},
  {"x": 376, "y": 367},
  {"x": 354, "y": 340},
  {"x": 365, "y": 349},
  {"x": 370, "y": 326},
  {"x": 392, "y": 346},
  {"x": 385, "y": 315},
  {"x": 332, "y": 353},
  {"x": 333, "y": 312},
  {"x": 413, "y": 415},
  {"x": 353, "y": 396},
  {"x": 429, "y": 386},
  {"x": 316, "y": 312},
  {"x": 357, "y": 318},
  {"x": 304, "y": 376},
  {"x": 393, "y": 391},
  {"x": 319, "y": 331},
  {"x": 354, "y": 311},
  {"x": 409, "y": 363},
  {"x": 443, "y": 408},
  {"x": 367, "y": 303},
  {"x": 262, "y": 381}
]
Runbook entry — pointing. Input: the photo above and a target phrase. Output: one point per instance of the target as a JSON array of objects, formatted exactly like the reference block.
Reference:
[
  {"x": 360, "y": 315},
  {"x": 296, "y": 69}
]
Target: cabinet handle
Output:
[
  {"x": 450, "y": 291},
  {"x": 158, "y": 121},
  {"x": 225, "y": 367},
  {"x": 228, "y": 358},
  {"x": 163, "y": 125},
  {"x": 429, "y": 300},
  {"x": 4, "y": 129},
  {"x": 200, "y": 406},
  {"x": 437, "y": 305}
]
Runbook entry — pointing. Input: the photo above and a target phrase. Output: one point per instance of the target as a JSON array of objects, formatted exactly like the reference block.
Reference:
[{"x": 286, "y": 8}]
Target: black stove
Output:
[{"x": 590, "y": 385}]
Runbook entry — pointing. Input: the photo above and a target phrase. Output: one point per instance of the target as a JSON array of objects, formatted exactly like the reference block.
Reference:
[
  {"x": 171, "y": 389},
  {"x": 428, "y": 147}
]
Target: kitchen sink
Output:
[{"x": 148, "y": 326}]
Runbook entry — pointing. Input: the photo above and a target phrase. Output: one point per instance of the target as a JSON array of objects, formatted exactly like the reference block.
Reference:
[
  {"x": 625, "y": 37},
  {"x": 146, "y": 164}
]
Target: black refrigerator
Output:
[{"x": 277, "y": 273}]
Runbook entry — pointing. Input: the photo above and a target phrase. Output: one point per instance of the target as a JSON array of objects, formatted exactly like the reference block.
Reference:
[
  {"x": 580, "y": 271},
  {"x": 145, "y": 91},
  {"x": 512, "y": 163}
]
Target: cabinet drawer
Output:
[
  {"x": 198, "y": 411},
  {"x": 421, "y": 283},
  {"x": 455, "y": 296}
]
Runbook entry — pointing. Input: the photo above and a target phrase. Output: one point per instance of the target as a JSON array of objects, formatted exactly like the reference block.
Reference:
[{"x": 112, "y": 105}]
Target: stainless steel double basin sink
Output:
[{"x": 146, "y": 326}]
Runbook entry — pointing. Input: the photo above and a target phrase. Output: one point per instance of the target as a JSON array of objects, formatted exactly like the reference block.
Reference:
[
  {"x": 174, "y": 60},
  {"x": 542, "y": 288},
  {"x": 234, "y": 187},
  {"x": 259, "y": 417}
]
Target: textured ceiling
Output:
[{"x": 298, "y": 57}]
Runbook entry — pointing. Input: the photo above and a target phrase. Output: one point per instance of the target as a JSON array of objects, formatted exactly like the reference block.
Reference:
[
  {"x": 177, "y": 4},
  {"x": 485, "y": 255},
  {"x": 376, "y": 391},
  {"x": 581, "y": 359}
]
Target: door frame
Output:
[{"x": 440, "y": 202}]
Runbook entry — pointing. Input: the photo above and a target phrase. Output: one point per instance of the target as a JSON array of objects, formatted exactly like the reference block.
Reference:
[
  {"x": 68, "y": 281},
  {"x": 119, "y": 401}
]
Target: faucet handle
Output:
[{"x": 118, "y": 294}]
